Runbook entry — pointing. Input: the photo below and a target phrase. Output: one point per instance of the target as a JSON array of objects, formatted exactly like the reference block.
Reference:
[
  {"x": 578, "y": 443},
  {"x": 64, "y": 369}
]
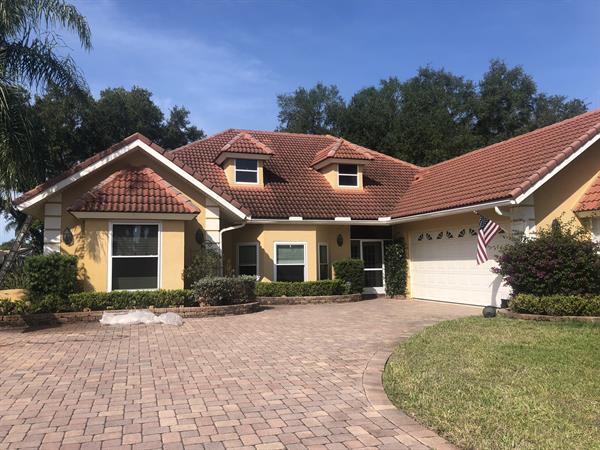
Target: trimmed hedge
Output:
[
  {"x": 218, "y": 291},
  {"x": 556, "y": 305},
  {"x": 352, "y": 272},
  {"x": 13, "y": 307},
  {"x": 52, "y": 275},
  {"x": 395, "y": 267},
  {"x": 302, "y": 288},
  {"x": 161, "y": 298}
]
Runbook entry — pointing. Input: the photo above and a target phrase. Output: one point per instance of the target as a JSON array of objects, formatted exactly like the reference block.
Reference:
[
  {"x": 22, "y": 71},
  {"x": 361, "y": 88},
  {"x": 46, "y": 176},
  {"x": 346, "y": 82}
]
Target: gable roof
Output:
[
  {"x": 590, "y": 200},
  {"x": 132, "y": 142},
  {"x": 340, "y": 150},
  {"x": 293, "y": 187},
  {"x": 134, "y": 189},
  {"x": 506, "y": 170}
]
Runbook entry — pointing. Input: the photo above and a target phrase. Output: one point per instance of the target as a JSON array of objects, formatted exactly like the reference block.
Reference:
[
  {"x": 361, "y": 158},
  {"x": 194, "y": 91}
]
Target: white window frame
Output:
[
  {"x": 236, "y": 170},
  {"x": 275, "y": 244},
  {"x": 237, "y": 256},
  {"x": 355, "y": 175},
  {"x": 320, "y": 263},
  {"x": 158, "y": 257}
]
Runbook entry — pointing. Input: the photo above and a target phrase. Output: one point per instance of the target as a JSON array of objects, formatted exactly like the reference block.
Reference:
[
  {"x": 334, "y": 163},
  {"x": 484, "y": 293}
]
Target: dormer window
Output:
[
  {"x": 348, "y": 175},
  {"x": 246, "y": 171}
]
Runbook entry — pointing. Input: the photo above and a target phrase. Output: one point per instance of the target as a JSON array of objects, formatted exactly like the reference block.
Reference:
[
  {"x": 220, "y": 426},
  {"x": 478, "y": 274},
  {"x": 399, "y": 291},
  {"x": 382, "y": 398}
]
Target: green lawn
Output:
[{"x": 502, "y": 383}]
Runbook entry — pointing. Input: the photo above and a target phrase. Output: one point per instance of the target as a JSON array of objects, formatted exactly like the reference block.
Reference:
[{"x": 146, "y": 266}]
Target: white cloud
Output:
[{"x": 218, "y": 82}]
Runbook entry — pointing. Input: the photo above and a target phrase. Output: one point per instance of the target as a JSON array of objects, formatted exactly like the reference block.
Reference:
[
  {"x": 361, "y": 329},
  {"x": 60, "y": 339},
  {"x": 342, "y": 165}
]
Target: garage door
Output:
[{"x": 443, "y": 267}]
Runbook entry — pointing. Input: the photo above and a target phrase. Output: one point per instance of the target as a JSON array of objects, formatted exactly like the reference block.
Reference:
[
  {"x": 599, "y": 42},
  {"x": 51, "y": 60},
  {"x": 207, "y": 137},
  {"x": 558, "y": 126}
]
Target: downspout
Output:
[{"x": 225, "y": 230}]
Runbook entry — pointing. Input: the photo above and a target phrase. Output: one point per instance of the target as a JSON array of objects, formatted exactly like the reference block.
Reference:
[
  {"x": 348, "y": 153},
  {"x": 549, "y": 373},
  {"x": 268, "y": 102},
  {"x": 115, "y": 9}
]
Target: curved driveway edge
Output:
[
  {"x": 287, "y": 377},
  {"x": 413, "y": 432}
]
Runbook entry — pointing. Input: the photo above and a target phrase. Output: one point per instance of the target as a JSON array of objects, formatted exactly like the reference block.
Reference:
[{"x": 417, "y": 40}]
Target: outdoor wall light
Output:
[
  {"x": 340, "y": 240},
  {"x": 67, "y": 236},
  {"x": 199, "y": 236}
]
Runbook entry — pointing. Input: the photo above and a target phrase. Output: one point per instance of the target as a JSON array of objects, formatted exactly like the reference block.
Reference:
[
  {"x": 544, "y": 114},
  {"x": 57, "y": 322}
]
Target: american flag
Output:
[{"x": 487, "y": 231}]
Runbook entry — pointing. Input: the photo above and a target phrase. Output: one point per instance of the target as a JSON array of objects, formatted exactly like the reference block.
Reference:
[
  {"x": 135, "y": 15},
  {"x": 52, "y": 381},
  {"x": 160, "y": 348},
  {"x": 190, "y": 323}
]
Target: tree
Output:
[
  {"x": 371, "y": 114},
  {"x": 69, "y": 127},
  {"x": 506, "y": 102},
  {"x": 178, "y": 130},
  {"x": 430, "y": 117},
  {"x": 318, "y": 110},
  {"x": 29, "y": 57},
  {"x": 549, "y": 109}
]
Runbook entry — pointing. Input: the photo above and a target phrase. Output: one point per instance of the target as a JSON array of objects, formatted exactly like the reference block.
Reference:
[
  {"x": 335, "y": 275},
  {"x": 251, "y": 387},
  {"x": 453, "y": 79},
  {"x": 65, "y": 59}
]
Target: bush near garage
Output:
[
  {"x": 351, "y": 271},
  {"x": 219, "y": 291},
  {"x": 556, "y": 305},
  {"x": 395, "y": 267},
  {"x": 302, "y": 288},
  {"x": 559, "y": 260}
]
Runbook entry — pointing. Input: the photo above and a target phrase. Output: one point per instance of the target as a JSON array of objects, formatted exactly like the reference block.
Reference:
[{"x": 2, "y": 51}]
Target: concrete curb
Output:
[
  {"x": 546, "y": 318},
  {"x": 416, "y": 435}
]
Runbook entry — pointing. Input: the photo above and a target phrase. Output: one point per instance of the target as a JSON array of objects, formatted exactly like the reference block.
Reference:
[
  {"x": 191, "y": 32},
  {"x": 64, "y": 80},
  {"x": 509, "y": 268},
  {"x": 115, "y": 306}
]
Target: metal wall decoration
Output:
[
  {"x": 340, "y": 240},
  {"x": 67, "y": 236}
]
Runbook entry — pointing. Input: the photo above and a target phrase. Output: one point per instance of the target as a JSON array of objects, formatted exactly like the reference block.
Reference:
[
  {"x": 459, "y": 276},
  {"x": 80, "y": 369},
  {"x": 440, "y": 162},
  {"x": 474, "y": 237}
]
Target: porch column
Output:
[
  {"x": 212, "y": 225},
  {"x": 52, "y": 226}
]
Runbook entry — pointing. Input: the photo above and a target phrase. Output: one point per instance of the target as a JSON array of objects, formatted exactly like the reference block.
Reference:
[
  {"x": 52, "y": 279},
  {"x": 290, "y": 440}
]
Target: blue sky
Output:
[{"x": 226, "y": 61}]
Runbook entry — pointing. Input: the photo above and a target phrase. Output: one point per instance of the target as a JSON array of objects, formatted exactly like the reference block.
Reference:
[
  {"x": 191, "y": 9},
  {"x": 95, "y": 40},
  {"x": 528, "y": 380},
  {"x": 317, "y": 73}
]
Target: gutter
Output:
[{"x": 385, "y": 221}]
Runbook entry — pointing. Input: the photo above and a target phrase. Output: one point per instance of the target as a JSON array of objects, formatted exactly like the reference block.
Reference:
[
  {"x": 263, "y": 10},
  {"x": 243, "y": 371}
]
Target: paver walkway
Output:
[{"x": 287, "y": 377}]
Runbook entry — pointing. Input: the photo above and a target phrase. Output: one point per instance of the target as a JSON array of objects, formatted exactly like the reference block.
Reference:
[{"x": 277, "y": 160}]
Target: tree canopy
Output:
[
  {"x": 70, "y": 127},
  {"x": 430, "y": 117}
]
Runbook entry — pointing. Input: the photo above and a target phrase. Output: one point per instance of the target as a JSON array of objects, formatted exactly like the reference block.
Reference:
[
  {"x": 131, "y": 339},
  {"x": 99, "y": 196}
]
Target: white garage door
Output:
[{"x": 443, "y": 267}]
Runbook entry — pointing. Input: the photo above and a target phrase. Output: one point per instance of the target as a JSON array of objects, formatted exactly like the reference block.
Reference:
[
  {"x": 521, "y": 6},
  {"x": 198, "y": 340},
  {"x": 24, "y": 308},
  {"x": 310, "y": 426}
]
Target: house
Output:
[{"x": 284, "y": 206}]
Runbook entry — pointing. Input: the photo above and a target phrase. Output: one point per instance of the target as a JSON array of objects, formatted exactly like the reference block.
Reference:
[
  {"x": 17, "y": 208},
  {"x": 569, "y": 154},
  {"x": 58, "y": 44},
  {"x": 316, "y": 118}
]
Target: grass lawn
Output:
[{"x": 502, "y": 383}]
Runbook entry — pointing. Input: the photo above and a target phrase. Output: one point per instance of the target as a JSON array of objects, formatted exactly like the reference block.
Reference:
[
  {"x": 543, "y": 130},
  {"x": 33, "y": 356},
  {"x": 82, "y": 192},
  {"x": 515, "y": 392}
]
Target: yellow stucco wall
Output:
[
  {"x": 561, "y": 194},
  {"x": 268, "y": 235},
  {"x": 91, "y": 235}
]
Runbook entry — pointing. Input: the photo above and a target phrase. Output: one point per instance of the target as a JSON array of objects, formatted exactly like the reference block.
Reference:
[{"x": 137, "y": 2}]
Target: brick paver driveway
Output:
[{"x": 287, "y": 377}]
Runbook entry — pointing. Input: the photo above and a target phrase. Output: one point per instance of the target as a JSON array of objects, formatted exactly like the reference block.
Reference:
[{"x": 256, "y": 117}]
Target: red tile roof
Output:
[
  {"x": 245, "y": 143},
  {"x": 135, "y": 190},
  {"x": 342, "y": 149},
  {"x": 590, "y": 201},
  {"x": 501, "y": 171},
  {"x": 293, "y": 187},
  {"x": 391, "y": 187}
]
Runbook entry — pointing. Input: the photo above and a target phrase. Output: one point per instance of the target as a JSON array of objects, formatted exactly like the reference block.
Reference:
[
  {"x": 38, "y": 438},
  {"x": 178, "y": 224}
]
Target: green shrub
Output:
[
  {"x": 15, "y": 278},
  {"x": 395, "y": 267},
  {"x": 206, "y": 263},
  {"x": 302, "y": 288},
  {"x": 559, "y": 260},
  {"x": 556, "y": 305},
  {"x": 54, "y": 274},
  {"x": 352, "y": 272},
  {"x": 13, "y": 307},
  {"x": 217, "y": 291},
  {"x": 161, "y": 298}
]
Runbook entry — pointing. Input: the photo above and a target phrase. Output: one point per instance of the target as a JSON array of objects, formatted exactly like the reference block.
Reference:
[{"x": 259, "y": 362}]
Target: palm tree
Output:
[{"x": 29, "y": 58}]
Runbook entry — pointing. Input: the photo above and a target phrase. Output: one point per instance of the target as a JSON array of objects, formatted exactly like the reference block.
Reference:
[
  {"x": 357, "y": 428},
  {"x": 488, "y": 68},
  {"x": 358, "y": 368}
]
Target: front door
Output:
[{"x": 371, "y": 252}]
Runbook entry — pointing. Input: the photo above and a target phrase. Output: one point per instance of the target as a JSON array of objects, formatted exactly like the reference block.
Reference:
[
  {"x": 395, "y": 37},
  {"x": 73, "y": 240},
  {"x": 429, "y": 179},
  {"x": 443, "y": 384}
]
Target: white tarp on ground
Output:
[{"x": 135, "y": 317}]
